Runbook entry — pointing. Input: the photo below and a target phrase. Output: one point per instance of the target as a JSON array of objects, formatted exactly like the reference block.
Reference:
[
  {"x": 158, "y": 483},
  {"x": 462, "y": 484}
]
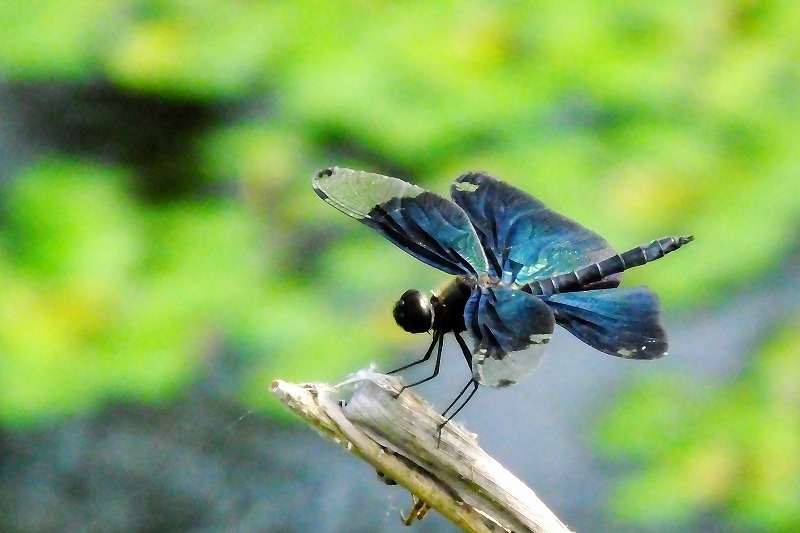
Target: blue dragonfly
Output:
[{"x": 520, "y": 268}]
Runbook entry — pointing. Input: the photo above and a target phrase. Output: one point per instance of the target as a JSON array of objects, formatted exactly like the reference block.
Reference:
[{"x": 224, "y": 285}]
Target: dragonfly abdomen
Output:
[{"x": 579, "y": 279}]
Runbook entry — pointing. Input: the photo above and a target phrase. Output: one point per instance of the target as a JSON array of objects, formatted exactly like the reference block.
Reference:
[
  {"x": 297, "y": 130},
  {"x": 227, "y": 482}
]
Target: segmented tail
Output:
[{"x": 578, "y": 279}]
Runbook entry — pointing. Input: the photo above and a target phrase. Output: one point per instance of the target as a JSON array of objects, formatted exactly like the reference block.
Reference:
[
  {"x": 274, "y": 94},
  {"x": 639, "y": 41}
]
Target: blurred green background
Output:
[{"x": 156, "y": 208}]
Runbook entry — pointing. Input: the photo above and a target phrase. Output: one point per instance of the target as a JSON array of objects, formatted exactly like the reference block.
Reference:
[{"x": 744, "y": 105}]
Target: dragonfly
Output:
[{"x": 520, "y": 268}]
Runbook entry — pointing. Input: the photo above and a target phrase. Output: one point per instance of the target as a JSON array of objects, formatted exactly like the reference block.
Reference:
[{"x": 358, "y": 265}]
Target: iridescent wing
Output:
[
  {"x": 511, "y": 330},
  {"x": 622, "y": 322},
  {"x": 431, "y": 228},
  {"x": 522, "y": 238}
]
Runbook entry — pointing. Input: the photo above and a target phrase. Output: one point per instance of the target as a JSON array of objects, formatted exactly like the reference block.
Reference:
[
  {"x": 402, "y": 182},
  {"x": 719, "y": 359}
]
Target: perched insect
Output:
[{"x": 520, "y": 269}]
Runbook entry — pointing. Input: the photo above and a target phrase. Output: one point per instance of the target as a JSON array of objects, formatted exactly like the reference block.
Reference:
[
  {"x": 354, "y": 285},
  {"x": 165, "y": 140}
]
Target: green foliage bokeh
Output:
[
  {"x": 638, "y": 120},
  {"x": 729, "y": 450}
]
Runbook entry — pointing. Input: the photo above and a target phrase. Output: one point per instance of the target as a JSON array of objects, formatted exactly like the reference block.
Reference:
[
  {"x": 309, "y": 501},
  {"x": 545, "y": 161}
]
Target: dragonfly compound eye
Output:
[{"x": 413, "y": 312}]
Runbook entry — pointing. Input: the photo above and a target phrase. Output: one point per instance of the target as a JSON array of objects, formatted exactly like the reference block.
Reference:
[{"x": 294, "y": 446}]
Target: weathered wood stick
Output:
[{"x": 398, "y": 435}]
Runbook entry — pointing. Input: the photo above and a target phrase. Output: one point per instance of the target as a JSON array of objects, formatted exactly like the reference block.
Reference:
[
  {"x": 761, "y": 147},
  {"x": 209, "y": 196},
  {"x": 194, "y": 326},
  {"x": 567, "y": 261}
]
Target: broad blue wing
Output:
[
  {"x": 504, "y": 322},
  {"x": 621, "y": 322},
  {"x": 431, "y": 228},
  {"x": 523, "y": 239}
]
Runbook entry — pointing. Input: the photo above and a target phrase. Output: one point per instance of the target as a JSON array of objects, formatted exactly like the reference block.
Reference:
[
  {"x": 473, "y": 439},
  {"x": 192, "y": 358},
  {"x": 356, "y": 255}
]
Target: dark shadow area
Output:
[{"x": 153, "y": 135}]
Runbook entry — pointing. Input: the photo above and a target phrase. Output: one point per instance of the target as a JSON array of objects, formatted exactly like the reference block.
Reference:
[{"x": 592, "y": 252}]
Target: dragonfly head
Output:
[{"x": 413, "y": 312}]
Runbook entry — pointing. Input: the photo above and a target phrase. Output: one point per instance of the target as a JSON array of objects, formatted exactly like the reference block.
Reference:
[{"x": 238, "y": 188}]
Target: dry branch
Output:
[{"x": 398, "y": 436}]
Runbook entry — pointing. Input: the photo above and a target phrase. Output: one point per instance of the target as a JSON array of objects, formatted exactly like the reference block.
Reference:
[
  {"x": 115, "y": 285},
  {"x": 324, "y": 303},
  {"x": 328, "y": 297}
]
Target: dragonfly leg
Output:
[
  {"x": 438, "y": 341},
  {"x": 460, "y": 407},
  {"x": 436, "y": 336}
]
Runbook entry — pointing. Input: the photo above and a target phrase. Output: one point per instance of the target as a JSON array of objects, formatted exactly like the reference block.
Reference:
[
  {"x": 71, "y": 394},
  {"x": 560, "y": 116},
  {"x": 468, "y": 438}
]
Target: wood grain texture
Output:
[{"x": 398, "y": 435}]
